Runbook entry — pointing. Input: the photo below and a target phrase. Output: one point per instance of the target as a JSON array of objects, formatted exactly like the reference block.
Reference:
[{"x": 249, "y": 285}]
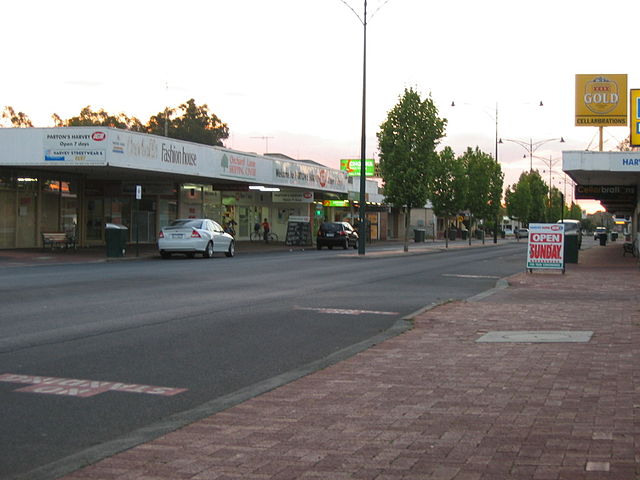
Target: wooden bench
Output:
[
  {"x": 57, "y": 239},
  {"x": 627, "y": 247}
]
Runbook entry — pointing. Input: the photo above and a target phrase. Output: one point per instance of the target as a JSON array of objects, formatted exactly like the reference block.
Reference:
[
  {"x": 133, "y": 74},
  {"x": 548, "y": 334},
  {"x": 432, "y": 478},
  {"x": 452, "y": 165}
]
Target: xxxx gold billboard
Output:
[{"x": 601, "y": 100}]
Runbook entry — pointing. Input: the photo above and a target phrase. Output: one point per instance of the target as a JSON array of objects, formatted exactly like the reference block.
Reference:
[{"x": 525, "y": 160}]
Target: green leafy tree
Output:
[
  {"x": 575, "y": 212},
  {"x": 447, "y": 186},
  {"x": 539, "y": 193},
  {"x": 518, "y": 200},
  {"x": 484, "y": 190},
  {"x": 407, "y": 142},
  {"x": 527, "y": 200},
  {"x": 16, "y": 119},
  {"x": 555, "y": 209},
  {"x": 89, "y": 117},
  {"x": 190, "y": 122}
]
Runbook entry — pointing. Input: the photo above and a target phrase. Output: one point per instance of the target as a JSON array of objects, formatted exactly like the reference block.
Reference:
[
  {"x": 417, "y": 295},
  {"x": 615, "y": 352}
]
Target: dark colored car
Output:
[{"x": 336, "y": 234}]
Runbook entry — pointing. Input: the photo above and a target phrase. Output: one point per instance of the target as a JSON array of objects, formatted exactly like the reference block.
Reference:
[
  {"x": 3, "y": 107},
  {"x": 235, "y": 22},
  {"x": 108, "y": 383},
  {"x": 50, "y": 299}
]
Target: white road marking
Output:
[
  {"x": 81, "y": 388},
  {"x": 460, "y": 275},
  {"x": 341, "y": 311}
]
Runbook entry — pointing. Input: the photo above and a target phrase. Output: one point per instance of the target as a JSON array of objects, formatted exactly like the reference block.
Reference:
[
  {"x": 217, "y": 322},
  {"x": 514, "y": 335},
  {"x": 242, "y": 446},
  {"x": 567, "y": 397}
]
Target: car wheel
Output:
[
  {"x": 165, "y": 255},
  {"x": 232, "y": 250},
  {"x": 208, "y": 251}
]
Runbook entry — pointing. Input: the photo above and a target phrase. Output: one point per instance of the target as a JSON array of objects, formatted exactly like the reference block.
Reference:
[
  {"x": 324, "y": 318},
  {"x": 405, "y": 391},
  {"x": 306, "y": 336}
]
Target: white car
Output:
[{"x": 195, "y": 235}]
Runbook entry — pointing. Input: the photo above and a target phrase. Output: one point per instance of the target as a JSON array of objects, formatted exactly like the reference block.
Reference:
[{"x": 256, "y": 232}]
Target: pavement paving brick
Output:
[{"x": 434, "y": 404}]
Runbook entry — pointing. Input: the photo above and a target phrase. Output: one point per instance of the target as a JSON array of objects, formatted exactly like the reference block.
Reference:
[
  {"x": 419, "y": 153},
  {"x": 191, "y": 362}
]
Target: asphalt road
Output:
[{"x": 98, "y": 357}]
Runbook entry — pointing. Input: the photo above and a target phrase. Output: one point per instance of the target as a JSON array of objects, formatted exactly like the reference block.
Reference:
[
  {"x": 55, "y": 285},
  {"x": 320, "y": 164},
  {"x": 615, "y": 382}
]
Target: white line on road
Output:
[
  {"x": 460, "y": 275},
  {"x": 341, "y": 311}
]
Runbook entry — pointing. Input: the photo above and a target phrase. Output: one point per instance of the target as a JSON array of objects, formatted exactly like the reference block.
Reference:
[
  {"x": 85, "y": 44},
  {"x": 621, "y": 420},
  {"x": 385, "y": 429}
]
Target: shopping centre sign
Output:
[{"x": 546, "y": 246}]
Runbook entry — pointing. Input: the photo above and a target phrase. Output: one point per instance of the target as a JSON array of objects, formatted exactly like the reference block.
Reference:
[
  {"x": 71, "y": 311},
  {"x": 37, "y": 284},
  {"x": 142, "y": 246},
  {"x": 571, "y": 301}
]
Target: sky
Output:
[{"x": 286, "y": 75}]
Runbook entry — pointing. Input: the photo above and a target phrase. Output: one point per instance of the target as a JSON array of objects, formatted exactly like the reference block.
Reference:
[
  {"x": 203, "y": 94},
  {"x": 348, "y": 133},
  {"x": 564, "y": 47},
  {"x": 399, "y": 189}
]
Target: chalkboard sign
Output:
[{"x": 298, "y": 233}]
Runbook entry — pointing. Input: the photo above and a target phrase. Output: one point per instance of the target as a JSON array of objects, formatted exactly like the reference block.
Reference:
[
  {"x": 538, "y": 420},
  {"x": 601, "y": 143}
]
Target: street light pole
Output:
[
  {"x": 495, "y": 228},
  {"x": 363, "y": 169},
  {"x": 531, "y": 146}
]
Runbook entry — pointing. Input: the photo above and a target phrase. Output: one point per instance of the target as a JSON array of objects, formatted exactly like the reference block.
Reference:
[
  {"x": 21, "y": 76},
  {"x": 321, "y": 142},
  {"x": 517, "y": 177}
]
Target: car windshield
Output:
[{"x": 186, "y": 223}]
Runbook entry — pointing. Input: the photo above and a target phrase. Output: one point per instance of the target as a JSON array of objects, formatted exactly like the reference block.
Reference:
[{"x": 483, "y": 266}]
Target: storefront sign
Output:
[
  {"x": 352, "y": 167},
  {"x": 605, "y": 192},
  {"x": 546, "y": 246},
  {"x": 308, "y": 176},
  {"x": 635, "y": 117},
  {"x": 601, "y": 100},
  {"x": 292, "y": 197},
  {"x": 78, "y": 146},
  {"x": 335, "y": 203}
]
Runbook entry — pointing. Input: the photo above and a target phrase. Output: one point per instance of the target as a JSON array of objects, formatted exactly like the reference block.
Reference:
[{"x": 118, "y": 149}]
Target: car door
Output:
[{"x": 220, "y": 239}]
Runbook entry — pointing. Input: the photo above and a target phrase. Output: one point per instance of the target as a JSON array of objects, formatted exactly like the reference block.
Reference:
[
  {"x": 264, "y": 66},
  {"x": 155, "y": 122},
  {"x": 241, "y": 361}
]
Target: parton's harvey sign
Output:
[{"x": 546, "y": 246}]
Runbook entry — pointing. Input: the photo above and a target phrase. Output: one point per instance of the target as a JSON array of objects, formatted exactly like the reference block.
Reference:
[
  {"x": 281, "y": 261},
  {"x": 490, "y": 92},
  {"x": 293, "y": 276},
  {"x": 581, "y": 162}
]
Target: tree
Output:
[
  {"x": 17, "y": 119},
  {"x": 484, "y": 190},
  {"x": 407, "y": 142},
  {"x": 190, "y": 122},
  {"x": 556, "y": 208},
  {"x": 447, "y": 186},
  {"x": 88, "y": 117},
  {"x": 526, "y": 200},
  {"x": 539, "y": 193}
]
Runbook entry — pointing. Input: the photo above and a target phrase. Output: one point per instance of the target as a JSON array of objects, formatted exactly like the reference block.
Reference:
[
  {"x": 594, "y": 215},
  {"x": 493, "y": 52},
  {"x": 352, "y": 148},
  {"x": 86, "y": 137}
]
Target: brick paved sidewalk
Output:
[{"x": 433, "y": 403}]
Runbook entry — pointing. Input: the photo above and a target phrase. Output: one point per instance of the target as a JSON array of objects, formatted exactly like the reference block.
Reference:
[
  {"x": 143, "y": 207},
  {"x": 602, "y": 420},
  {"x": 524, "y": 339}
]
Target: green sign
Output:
[
  {"x": 352, "y": 167},
  {"x": 335, "y": 203}
]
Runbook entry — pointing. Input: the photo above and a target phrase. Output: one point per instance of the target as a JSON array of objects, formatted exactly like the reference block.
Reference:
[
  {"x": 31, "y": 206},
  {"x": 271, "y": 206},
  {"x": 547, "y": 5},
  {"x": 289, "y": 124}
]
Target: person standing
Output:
[{"x": 266, "y": 228}]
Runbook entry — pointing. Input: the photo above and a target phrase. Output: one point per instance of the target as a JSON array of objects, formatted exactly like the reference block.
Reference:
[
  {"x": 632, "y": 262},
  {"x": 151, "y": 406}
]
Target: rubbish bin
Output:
[
  {"x": 614, "y": 236},
  {"x": 571, "y": 249},
  {"x": 419, "y": 234},
  {"x": 464, "y": 234},
  {"x": 603, "y": 239},
  {"x": 452, "y": 234},
  {"x": 116, "y": 237}
]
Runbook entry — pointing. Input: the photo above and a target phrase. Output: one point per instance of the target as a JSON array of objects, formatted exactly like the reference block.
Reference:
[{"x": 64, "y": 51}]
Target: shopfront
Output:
[{"x": 77, "y": 179}]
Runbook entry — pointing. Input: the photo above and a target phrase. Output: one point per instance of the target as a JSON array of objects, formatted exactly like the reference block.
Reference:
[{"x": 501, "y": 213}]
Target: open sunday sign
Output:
[{"x": 546, "y": 246}]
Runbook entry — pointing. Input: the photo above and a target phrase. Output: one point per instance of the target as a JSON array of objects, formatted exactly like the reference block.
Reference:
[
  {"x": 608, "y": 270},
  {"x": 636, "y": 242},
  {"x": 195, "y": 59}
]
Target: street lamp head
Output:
[
  {"x": 561, "y": 139},
  {"x": 500, "y": 141},
  {"x": 453, "y": 104},
  {"x": 541, "y": 104}
]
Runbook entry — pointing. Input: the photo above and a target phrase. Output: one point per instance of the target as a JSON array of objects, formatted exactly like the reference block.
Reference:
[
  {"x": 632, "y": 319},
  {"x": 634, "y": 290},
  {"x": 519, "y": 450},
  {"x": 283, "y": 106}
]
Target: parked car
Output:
[
  {"x": 573, "y": 227},
  {"x": 522, "y": 233},
  {"x": 195, "y": 235},
  {"x": 598, "y": 231},
  {"x": 336, "y": 234}
]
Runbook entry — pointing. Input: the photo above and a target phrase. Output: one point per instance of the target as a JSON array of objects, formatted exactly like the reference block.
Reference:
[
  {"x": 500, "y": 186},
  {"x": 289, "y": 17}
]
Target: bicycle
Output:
[{"x": 258, "y": 236}]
